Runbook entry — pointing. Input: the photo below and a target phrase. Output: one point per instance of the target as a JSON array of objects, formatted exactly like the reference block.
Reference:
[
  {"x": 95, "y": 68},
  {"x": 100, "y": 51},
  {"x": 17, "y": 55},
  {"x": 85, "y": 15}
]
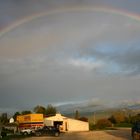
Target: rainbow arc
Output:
[{"x": 27, "y": 19}]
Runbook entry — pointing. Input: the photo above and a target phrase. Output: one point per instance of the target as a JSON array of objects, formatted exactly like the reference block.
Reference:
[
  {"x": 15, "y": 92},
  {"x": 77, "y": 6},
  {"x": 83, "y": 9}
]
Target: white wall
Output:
[
  {"x": 76, "y": 125},
  {"x": 48, "y": 122}
]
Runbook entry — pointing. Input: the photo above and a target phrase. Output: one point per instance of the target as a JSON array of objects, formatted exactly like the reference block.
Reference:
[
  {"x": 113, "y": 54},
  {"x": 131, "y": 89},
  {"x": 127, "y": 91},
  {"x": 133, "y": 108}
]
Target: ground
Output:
[{"x": 120, "y": 134}]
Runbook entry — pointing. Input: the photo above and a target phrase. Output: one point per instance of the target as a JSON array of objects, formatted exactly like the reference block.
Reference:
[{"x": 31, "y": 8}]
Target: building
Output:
[
  {"x": 66, "y": 124},
  {"x": 30, "y": 121}
]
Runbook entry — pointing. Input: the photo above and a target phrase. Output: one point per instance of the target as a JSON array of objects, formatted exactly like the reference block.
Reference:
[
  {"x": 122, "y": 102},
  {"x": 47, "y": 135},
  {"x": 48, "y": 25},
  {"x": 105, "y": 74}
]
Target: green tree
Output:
[
  {"x": 112, "y": 119},
  {"x": 40, "y": 110},
  {"x": 4, "y": 118},
  {"x": 15, "y": 115},
  {"x": 50, "y": 110},
  {"x": 135, "y": 118},
  {"x": 25, "y": 112}
]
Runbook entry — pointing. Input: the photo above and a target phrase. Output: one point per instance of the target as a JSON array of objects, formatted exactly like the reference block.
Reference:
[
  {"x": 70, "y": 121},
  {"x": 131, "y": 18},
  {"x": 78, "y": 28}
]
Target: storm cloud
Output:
[{"x": 69, "y": 56}]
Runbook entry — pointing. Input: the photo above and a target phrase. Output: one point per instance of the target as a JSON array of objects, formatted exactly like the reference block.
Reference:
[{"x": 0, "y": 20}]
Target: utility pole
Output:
[
  {"x": 94, "y": 118},
  {"x": 0, "y": 127},
  {"x": 77, "y": 114}
]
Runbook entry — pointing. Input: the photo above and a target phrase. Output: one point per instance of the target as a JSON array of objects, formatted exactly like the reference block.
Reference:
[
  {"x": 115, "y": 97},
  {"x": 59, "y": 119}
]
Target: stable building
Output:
[{"x": 66, "y": 124}]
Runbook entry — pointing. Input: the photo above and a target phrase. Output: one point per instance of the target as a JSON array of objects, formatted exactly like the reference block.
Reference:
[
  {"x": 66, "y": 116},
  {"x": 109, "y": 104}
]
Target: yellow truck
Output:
[{"x": 30, "y": 121}]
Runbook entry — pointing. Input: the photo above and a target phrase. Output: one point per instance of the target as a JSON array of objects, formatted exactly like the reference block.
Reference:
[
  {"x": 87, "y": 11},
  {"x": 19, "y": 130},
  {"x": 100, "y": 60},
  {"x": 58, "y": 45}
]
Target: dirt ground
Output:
[{"x": 120, "y": 134}]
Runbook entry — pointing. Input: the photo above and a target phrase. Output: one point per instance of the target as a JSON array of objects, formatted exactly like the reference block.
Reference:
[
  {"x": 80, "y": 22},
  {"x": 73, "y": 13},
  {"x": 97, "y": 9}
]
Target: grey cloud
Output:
[
  {"x": 35, "y": 58},
  {"x": 130, "y": 60}
]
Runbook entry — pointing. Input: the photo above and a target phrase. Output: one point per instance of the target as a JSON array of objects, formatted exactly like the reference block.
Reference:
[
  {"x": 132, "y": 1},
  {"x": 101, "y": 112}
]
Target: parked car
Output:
[
  {"x": 5, "y": 132},
  {"x": 48, "y": 130},
  {"x": 136, "y": 131},
  {"x": 27, "y": 131}
]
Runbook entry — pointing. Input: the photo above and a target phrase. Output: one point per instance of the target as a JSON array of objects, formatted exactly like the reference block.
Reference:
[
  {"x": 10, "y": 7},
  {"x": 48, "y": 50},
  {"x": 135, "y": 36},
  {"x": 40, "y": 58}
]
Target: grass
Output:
[{"x": 123, "y": 125}]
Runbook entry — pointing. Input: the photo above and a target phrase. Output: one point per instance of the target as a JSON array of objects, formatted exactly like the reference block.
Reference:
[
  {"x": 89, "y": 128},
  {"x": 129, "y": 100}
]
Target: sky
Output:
[{"x": 60, "y": 51}]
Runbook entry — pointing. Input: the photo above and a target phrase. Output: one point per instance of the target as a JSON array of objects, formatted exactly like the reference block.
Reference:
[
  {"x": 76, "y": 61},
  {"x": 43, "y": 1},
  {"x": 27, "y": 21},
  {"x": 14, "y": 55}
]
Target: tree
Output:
[
  {"x": 25, "y": 112},
  {"x": 4, "y": 118},
  {"x": 83, "y": 119},
  {"x": 40, "y": 110},
  {"x": 119, "y": 117},
  {"x": 135, "y": 118},
  {"x": 112, "y": 119},
  {"x": 77, "y": 114},
  {"x": 15, "y": 115},
  {"x": 50, "y": 110}
]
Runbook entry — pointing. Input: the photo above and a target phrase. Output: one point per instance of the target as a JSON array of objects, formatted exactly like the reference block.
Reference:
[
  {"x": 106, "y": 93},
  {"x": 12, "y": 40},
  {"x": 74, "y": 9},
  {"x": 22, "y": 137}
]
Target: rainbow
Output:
[{"x": 104, "y": 9}]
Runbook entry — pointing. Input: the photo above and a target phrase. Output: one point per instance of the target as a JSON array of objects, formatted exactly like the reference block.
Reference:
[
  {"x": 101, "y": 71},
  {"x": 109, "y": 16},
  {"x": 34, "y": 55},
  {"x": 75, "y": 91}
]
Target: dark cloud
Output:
[{"x": 67, "y": 57}]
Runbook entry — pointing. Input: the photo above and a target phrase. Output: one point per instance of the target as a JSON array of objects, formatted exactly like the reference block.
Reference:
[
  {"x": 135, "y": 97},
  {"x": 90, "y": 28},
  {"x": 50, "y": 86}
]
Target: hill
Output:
[{"x": 90, "y": 108}]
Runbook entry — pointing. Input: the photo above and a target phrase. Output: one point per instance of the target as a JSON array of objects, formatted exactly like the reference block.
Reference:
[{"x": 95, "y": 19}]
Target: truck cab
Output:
[{"x": 136, "y": 131}]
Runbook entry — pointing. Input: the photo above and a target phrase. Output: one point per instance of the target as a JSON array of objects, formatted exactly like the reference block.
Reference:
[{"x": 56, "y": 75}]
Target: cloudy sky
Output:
[{"x": 62, "y": 51}]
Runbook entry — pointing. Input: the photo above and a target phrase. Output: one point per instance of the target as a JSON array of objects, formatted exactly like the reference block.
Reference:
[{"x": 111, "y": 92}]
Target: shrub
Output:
[
  {"x": 103, "y": 123},
  {"x": 83, "y": 119},
  {"x": 92, "y": 126}
]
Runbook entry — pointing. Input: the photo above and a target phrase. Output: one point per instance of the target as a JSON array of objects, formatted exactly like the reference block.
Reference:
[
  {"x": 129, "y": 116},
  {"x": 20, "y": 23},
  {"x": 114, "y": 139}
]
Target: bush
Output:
[
  {"x": 92, "y": 126},
  {"x": 103, "y": 123},
  {"x": 83, "y": 119}
]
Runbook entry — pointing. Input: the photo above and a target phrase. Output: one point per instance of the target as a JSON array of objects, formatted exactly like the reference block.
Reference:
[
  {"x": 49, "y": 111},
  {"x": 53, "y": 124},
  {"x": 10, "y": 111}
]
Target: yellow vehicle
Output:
[{"x": 30, "y": 121}]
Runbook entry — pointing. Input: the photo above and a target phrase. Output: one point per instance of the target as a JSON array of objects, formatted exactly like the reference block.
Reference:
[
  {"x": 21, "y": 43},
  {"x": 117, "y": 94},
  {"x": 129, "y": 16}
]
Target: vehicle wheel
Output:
[
  {"x": 3, "y": 134},
  {"x": 38, "y": 134},
  {"x": 25, "y": 133},
  {"x": 56, "y": 134}
]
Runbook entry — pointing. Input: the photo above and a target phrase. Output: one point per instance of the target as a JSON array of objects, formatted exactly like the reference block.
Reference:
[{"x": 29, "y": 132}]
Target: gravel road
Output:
[{"x": 120, "y": 134}]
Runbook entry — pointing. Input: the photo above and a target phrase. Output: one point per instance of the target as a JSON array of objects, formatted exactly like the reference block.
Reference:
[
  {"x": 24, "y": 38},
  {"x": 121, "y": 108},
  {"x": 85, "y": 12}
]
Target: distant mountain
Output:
[
  {"x": 83, "y": 107},
  {"x": 134, "y": 107},
  {"x": 87, "y": 108}
]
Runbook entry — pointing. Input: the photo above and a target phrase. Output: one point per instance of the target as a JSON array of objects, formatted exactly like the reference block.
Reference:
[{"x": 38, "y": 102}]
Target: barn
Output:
[{"x": 66, "y": 124}]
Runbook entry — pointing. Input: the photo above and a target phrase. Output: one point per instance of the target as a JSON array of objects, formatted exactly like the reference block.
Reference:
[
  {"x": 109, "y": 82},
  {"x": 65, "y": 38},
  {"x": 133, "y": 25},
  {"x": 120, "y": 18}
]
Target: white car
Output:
[{"x": 27, "y": 131}]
